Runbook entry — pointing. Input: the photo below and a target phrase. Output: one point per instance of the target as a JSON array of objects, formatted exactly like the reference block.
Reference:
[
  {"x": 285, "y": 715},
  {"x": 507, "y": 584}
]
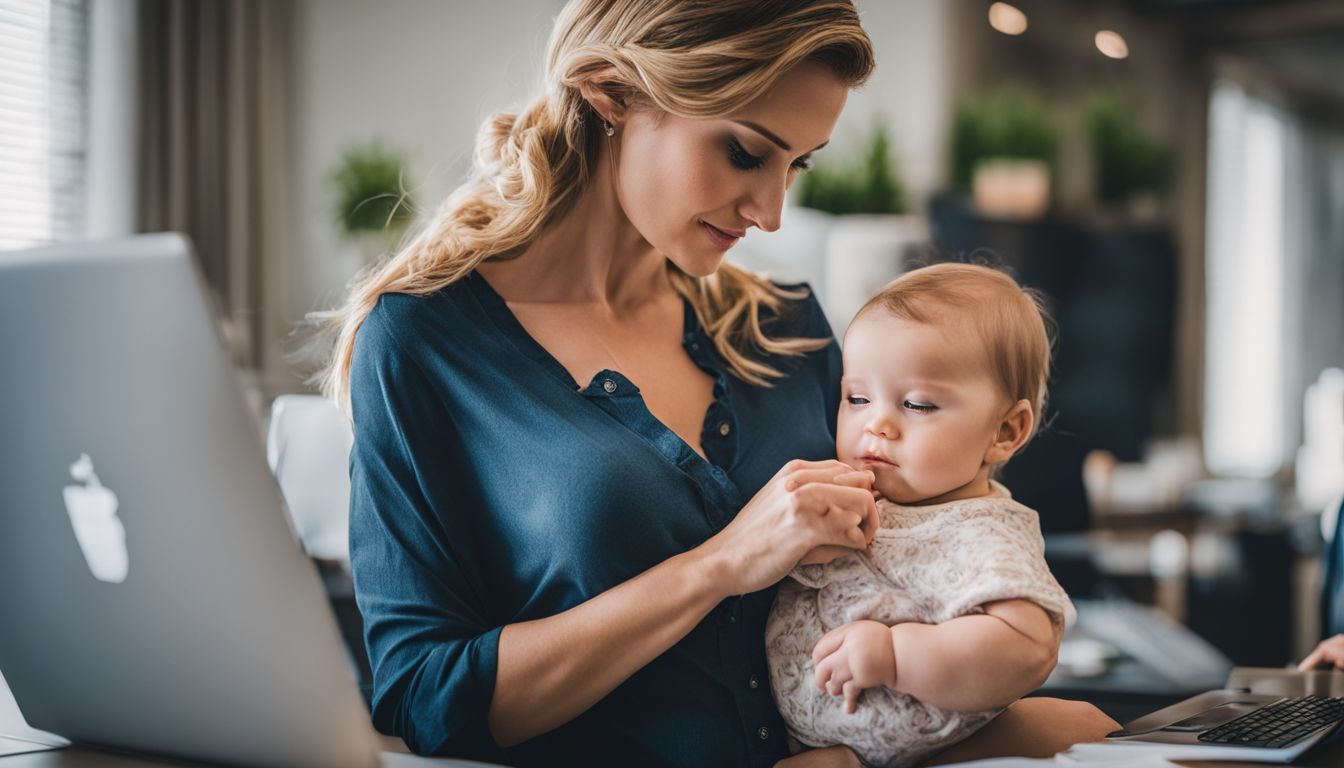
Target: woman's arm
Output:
[
  {"x": 553, "y": 669},
  {"x": 453, "y": 676}
]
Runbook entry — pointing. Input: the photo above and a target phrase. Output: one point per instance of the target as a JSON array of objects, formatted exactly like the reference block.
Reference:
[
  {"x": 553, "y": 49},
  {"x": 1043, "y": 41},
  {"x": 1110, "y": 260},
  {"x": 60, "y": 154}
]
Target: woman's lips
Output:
[{"x": 720, "y": 238}]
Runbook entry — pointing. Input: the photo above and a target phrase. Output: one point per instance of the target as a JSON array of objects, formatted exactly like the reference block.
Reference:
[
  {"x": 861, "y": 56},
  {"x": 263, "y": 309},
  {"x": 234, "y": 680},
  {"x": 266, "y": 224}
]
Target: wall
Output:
[
  {"x": 419, "y": 75},
  {"x": 422, "y": 74}
]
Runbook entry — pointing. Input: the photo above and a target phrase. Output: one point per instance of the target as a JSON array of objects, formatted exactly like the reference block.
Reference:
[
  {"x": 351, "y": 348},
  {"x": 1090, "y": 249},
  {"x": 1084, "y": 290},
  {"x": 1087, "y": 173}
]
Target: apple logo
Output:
[{"x": 93, "y": 513}]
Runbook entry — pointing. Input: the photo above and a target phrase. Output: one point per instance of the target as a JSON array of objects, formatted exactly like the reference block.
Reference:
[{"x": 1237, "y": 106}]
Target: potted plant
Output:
[
  {"x": 372, "y": 207},
  {"x": 1131, "y": 170},
  {"x": 1003, "y": 150},
  {"x": 870, "y": 232}
]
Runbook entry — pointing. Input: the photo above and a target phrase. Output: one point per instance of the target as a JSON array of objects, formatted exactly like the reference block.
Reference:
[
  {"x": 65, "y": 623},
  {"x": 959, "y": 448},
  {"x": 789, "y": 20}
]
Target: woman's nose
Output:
[{"x": 764, "y": 203}]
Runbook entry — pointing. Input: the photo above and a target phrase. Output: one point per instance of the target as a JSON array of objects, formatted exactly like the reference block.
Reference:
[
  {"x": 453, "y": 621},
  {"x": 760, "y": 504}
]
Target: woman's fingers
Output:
[
  {"x": 1312, "y": 659},
  {"x": 826, "y": 553},
  {"x": 856, "y": 478},
  {"x": 825, "y": 472},
  {"x": 1328, "y": 651}
]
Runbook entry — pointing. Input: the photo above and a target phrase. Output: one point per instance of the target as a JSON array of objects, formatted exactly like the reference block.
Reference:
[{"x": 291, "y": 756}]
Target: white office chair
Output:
[{"x": 308, "y": 448}]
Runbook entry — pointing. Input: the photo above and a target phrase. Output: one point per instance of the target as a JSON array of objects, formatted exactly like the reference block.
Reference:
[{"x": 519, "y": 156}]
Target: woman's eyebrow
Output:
[{"x": 772, "y": 137}]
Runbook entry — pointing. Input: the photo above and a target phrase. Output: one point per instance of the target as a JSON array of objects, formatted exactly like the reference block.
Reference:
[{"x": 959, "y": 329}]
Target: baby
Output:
[{"x": 951, "y": 614}]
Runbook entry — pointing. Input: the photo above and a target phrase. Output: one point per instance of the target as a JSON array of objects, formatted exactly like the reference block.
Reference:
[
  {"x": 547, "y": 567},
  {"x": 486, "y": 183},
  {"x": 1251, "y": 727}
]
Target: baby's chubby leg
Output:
[{"x": 1035, "y": 727}]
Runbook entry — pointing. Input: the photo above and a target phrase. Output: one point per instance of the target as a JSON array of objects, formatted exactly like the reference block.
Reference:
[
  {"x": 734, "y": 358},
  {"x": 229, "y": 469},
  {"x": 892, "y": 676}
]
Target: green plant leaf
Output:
[
  {"x": 1008, "y": 122},
  {"x": 867, "y": 186},
  {"x": 370, "y": 191}
]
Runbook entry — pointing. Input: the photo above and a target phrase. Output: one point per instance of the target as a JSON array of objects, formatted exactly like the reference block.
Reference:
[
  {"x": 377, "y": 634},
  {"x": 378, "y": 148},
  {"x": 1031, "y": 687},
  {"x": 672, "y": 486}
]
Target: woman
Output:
[{"x": 568, "y": 509}]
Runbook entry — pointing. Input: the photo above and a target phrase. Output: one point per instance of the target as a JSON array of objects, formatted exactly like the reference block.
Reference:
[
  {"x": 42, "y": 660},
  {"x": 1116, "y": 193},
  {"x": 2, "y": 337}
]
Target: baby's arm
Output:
[
  {"x": 971, "y": 663},
  {"x": 980, "y": 661}
]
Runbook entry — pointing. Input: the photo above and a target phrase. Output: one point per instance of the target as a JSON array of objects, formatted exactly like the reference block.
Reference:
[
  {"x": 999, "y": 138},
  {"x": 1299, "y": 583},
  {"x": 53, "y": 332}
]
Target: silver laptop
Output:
[{"x": 153, "y": 597}]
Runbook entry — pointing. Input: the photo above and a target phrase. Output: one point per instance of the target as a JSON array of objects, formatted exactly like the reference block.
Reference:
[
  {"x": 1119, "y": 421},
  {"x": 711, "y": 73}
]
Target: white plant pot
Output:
[
  {"x": 863, "y": 253},
  {"x": 1012, "y": 188},
  {"x": 794, "y": 253},
  {"x": 359, "y": 250}
]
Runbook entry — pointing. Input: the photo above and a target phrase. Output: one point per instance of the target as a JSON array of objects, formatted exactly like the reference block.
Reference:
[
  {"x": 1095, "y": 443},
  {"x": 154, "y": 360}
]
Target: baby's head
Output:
[{"x": 945, "y": 376}]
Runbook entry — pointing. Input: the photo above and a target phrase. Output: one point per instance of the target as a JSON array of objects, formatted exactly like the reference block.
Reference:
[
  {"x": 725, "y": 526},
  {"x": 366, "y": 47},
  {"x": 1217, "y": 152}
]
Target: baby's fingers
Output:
[
  {"x": 828, "y": 644},
  {"x": 823, "y": 673},
  {"x": 852, "y": 691}
]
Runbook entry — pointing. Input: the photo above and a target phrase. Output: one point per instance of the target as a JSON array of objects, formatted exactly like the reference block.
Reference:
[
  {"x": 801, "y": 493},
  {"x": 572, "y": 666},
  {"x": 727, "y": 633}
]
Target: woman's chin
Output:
[{"x": 697, "y": 264}]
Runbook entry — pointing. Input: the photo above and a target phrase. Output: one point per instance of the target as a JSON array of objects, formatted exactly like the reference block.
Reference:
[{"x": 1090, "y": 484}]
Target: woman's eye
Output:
[
  {"x": 920, "y": 407},
  {"x": 856, "y": 400},
  {"x": 741, "y": 158}
]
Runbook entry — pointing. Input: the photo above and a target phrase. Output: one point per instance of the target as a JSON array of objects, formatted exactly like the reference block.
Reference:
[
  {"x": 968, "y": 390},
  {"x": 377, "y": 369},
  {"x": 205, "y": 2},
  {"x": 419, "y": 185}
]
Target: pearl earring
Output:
[{"x": 608, "y": 128}]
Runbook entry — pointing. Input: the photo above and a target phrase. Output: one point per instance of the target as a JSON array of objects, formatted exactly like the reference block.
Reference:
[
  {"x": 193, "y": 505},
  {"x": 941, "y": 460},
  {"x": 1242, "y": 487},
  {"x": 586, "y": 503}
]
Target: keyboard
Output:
[{"x": 1278, "y": 724}]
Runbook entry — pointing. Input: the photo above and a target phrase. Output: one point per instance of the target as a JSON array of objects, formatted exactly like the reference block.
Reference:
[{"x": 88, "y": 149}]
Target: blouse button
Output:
[
  {"x": 609, "y": 386},
  {"x": 753, "y": 682},
  {"x": 762, "y": 733},
  {"x": 724, "y": 429}
]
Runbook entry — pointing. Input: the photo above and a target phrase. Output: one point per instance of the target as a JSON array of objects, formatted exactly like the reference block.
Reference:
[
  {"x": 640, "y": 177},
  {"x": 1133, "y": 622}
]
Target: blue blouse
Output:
[{"x": 488, "y": 488}]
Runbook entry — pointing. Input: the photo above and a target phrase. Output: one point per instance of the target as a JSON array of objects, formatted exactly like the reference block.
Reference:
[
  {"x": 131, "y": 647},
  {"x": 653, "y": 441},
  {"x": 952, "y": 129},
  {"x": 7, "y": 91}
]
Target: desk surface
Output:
[
  {"x": 1279, "y": 681},
  {"x": 73, "y": 757}
]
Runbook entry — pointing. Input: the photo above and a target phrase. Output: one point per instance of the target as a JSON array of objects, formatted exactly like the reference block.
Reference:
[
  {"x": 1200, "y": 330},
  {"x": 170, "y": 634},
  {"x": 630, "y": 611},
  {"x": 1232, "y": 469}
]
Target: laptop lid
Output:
[{"x": 153, "y": 597}]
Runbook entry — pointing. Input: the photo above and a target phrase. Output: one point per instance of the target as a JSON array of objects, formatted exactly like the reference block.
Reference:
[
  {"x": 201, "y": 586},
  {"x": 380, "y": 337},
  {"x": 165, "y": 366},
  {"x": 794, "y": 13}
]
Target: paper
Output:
[
  {"x": 13, "y": 728},
  {"x": 1129, "y": 753}
]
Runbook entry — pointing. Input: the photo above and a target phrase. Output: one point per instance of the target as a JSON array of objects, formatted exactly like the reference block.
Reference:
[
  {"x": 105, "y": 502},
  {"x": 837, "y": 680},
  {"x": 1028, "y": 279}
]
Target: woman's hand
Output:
[
  {"x": 826, "y": 757},
  {"x": 854, "y": 657},
  {"x": 806, "y": 505},
  {"x": 1330, "y": 651}
]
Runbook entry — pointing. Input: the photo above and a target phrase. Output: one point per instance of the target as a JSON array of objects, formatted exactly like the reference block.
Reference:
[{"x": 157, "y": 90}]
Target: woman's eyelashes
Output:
[{"x": 741, "y": 158}]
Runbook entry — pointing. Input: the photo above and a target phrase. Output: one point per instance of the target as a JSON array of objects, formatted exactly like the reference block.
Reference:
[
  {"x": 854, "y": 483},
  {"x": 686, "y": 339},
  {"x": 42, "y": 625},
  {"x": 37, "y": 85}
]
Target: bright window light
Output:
[
  {"x": 1007, "y": 19},
  {"x": 1244, "y": 385}
]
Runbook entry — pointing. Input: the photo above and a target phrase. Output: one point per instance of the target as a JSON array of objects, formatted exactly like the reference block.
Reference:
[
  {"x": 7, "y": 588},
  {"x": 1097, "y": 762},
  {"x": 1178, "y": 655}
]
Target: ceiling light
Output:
[
  {"x": 1112, "y": 44},
  {"x": 1007, "y": 19}
]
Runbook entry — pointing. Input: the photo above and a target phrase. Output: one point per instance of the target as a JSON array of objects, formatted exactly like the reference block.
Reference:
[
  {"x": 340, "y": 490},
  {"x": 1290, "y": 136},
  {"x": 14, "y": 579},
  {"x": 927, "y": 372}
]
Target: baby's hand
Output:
[{"x": 854, "y": 657}]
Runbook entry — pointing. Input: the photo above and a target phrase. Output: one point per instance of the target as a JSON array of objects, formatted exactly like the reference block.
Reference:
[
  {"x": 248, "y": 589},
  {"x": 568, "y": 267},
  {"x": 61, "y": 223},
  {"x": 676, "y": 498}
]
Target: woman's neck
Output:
[{"x": 591, "y": 255}]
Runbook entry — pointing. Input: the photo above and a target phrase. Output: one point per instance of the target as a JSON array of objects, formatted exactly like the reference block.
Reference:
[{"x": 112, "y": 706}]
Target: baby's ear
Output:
[{"x": 1014, "y": 429}]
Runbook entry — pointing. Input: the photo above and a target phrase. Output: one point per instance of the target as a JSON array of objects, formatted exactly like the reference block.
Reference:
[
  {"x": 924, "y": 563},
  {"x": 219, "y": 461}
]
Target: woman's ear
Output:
[
  {"x": 607, "y": 106},
  {"x": 1012, "y": 433}
]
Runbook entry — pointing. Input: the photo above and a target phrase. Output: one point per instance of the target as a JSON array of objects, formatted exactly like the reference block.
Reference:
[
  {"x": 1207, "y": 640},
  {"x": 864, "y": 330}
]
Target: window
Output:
[
  {"x": 1245, "y": 393},
  {"x": 42, "y": 120}
]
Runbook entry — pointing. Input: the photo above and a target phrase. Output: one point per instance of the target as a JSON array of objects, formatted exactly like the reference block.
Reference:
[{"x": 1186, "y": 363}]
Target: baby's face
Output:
[{"x": 919, "y": 407}]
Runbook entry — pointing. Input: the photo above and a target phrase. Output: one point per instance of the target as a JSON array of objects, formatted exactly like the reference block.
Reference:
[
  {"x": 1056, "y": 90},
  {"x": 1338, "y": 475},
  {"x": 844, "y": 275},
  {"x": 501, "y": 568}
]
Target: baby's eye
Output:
[
  {"x": 920, "y": 407},
  {"x": 856, "y": 400}
]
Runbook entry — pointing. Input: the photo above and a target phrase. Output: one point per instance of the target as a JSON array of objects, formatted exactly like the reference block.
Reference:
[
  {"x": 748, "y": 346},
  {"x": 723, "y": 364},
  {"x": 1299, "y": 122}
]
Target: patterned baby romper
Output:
[{"x": 928, "y": 565}]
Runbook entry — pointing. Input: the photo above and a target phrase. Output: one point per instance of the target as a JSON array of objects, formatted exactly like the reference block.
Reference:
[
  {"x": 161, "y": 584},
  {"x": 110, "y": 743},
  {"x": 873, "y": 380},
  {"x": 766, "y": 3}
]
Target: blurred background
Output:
[{"x": 1168, "y": 173}]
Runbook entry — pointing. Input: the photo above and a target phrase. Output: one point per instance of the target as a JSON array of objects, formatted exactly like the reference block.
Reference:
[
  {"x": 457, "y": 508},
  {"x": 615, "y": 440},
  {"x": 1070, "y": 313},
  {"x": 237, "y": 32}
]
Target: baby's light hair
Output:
[{"x": 1008, "y": 320}]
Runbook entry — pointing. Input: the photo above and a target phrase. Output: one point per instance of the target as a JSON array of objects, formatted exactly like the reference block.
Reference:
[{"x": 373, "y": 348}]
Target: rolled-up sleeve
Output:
[{"x": 432, "y": 649}]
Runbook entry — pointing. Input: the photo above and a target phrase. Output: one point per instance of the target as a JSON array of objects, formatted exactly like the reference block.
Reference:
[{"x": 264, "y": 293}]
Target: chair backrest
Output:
[
  {"x": 308, "y": 448},
  {"x": 1332, "y": 585}
]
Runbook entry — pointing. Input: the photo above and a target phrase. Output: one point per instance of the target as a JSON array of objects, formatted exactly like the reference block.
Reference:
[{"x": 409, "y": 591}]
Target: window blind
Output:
[{"x": 43, "y": 98}]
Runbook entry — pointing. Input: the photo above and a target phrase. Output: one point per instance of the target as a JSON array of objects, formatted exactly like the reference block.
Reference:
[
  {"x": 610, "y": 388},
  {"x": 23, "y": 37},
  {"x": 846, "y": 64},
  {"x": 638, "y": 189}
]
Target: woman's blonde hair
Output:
[
  {"x": 1008, "y": 320},
  {"x": 692, "y": 58}
]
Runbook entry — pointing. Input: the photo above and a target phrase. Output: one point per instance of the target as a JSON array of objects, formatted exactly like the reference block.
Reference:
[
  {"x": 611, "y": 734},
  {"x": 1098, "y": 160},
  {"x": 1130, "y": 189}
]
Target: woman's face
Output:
[{"x": 692, "y": 187}]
